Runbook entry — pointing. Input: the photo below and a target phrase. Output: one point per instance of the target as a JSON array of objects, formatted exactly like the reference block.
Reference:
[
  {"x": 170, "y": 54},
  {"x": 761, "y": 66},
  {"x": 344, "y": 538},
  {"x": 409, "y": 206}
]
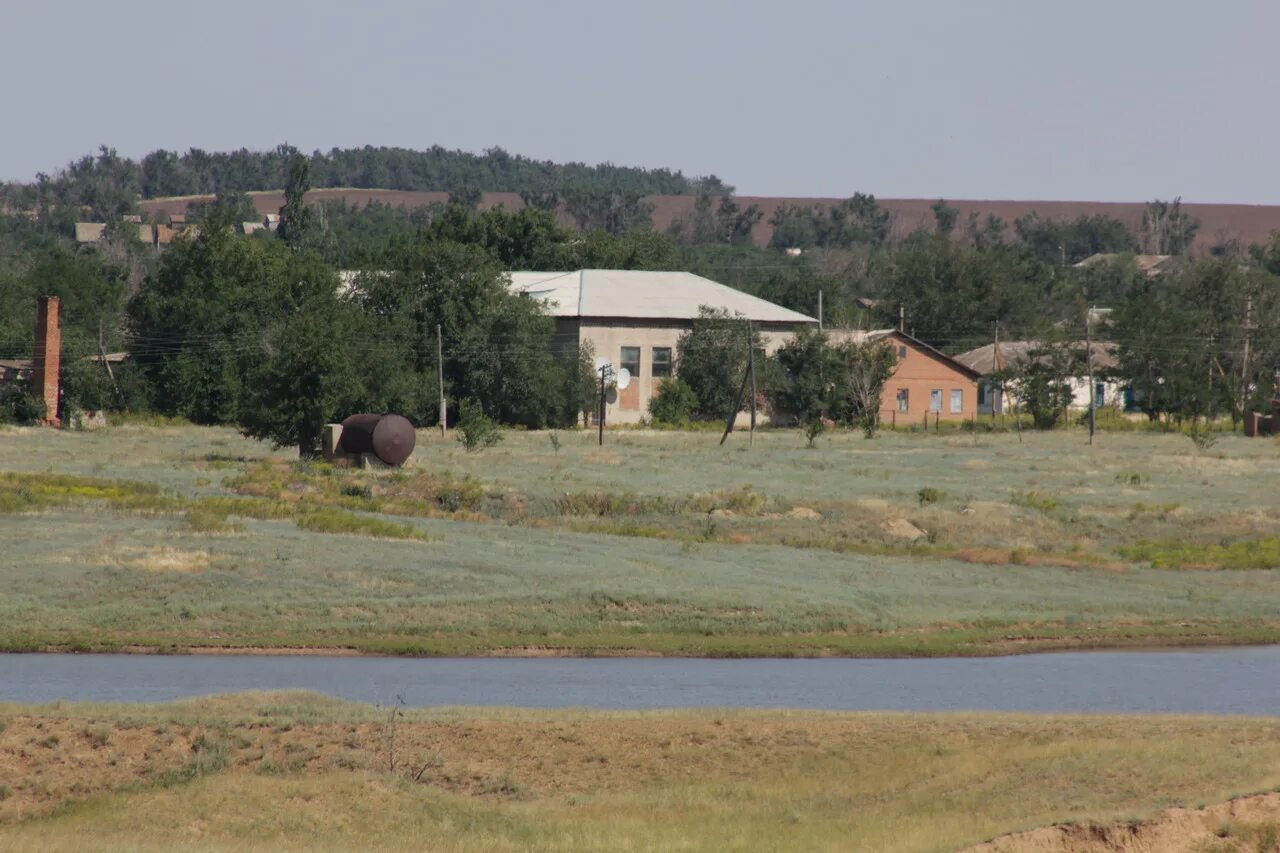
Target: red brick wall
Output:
[
  {"x": 920, "y": 373},
  {"x": 47, "y": 358}
]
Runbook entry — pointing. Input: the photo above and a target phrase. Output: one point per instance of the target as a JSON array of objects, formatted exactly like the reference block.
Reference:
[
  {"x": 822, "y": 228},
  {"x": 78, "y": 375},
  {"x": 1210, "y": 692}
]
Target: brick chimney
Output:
[{"x": 47, "y": 360}]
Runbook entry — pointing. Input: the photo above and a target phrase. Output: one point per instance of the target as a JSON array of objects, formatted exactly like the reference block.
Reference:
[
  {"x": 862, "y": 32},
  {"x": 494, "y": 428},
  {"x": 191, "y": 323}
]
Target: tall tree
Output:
[
  {"x": 944, "y": 217},
  {"x": 1167, "y": 229},
  {"x": 297, "y": 221}
]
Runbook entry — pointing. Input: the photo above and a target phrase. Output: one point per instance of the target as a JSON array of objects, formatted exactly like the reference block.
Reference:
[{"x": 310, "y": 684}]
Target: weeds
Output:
[
  {"x": 476, "y": 431},
  {"x": 329, "y": 520},
  {"x": 1259, "y": 554},
  {"x": 812, "y": 430},
  {"x": 929, "y": 495},
  {"x": 1035, "y": 500}
]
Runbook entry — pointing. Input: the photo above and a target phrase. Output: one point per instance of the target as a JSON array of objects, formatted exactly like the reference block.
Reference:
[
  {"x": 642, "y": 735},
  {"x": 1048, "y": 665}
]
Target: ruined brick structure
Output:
[{"x": 47, "y": 358}]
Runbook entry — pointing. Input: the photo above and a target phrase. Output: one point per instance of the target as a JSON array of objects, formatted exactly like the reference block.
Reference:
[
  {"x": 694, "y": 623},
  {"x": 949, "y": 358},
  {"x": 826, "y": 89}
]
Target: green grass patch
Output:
[
  {"x": 330, "y": 520},
  {"x": 20, "y": 492},
  {"x": 1259, "y": 554}
]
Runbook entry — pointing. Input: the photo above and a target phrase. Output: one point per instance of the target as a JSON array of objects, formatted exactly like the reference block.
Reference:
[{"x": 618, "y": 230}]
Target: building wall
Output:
[
  {"x": 1112, "y": 394},
  {"x": 608, "y": 337},
  {"x": 920, "y": 373}
]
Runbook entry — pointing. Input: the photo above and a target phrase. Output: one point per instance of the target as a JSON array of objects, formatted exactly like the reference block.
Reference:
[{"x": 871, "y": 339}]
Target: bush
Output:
[
  {"x": 813, "y": 429},
  {"x": 18, "y": 405},
  {"x": 674, "y": 404},
  {"x": 929, "y": 495},
  {"x": 476, "y": 431},
  {"x": 1202, "y": 435}
]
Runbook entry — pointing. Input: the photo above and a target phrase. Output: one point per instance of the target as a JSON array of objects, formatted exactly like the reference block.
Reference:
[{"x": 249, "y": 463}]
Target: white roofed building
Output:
[{"x": 634, "y": 318}]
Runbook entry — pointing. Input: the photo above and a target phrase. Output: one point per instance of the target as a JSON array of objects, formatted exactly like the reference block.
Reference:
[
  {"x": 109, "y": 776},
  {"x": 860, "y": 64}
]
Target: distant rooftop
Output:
[
  {"x": 1149, "y": 264},
  {"x": 644, "y": 295},
  {"x": 987, "y": 359}
]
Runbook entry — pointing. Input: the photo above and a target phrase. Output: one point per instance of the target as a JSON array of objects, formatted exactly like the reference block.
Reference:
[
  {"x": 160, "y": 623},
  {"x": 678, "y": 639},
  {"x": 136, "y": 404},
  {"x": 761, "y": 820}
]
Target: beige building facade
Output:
[{"x": 634, "y": 319}]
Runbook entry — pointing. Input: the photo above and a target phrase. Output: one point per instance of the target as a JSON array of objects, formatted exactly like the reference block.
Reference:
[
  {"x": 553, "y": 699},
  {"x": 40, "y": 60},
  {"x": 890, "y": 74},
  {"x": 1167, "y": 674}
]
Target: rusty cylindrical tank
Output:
[{"x": 388, "y": 437}]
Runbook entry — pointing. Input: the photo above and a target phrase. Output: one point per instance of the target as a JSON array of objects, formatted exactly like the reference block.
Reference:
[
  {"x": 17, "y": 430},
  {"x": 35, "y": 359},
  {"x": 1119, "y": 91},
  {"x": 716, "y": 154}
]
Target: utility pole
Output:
[
  {"x": 902, "y": 318},
  {"x": 102, "y": 354},
  {"x": 819, "y": 310},
  {"x": 995, "y": 363},
  {"x": 751, "y": 367},
  {"x": 733, "y": 415},
  {"x": 1244, "y": 359},
  {"x": 604, "y": 370},
  {"x": 444, "y": 417},
  {"x": 1088, "y": 360}
]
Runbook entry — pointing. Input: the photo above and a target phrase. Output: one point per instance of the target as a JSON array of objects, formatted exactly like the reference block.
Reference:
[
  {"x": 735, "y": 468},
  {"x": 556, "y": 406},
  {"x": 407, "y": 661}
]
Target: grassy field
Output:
[
  {"x": 299, "y": 771},
  {"x": 176, "y": 537}
]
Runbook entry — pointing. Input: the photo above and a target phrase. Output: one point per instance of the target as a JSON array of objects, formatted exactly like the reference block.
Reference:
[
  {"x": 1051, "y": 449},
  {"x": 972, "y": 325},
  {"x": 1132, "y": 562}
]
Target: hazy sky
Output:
[{"x": 1114, "y": 100}]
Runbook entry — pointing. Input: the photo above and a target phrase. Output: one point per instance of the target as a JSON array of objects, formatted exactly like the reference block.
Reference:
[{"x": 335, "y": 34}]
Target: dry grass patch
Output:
[
  {"x": 160, "y": 559},
  {"x": 291, "y": 772}
]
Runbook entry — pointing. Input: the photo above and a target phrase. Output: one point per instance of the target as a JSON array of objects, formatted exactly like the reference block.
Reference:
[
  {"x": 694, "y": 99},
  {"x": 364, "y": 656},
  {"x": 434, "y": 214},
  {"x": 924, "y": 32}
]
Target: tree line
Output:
[
  {"x": 1195, "y": 338},
  {"x": 109, "y": 185}
]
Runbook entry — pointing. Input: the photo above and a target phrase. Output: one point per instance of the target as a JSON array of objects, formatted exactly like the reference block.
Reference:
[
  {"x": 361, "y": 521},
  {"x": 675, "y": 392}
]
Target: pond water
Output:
[{"x": 1228, "y": 681}]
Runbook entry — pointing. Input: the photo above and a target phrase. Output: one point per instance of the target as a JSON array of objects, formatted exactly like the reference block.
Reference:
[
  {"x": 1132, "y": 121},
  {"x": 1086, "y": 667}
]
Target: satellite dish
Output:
[
  {"x": 611, "y": 396},
  {"x": 623, "y": 379}
]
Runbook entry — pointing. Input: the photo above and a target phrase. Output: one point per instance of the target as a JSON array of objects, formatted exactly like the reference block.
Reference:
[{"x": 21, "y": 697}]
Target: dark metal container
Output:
[{"x": 389, "y": 437}]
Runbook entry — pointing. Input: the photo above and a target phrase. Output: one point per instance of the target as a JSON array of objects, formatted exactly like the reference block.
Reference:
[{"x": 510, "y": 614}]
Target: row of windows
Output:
[
  {"x": 661, "y": 361},
  {"x": 935, "y": 400}
]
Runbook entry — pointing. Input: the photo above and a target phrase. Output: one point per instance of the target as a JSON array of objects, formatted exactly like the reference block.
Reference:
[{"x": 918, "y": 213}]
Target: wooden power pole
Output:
[
  {"x": 444, "y": 417},
  {"x": 1088, "y": 360},
  {"x": 751, "y": 368}
]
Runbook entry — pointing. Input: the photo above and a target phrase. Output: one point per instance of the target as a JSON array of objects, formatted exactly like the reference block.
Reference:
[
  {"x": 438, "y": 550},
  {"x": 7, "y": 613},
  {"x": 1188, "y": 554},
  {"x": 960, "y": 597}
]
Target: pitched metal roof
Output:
[
  {"x": 644, "y": 295},
  {"x": 985, "y": 361},
  {"x": 859, "y": 336}
]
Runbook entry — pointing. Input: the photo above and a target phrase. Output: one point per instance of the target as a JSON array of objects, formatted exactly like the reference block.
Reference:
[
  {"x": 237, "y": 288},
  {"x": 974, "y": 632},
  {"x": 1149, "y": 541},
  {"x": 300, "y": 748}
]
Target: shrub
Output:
[
  {"x": 327, "y": 520},
  {"x": 1036, "y": 500},
  {"x": 1202, "y": 436},
  {"x": 929, "y": 495},
  {"x": 18, "y": 405},
  {"x": 476, "y": 430},
  {"x": 813, "y": 429},
  {"x": 455, "y": 495},
  {"x": 356, "y": 490},
  {"x": 674, "y": 404}
]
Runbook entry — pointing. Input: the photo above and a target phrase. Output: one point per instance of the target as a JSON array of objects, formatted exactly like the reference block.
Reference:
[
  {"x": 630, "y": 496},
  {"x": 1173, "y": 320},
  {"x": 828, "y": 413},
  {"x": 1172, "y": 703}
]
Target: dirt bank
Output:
[{"x": 1245, "y": 824}]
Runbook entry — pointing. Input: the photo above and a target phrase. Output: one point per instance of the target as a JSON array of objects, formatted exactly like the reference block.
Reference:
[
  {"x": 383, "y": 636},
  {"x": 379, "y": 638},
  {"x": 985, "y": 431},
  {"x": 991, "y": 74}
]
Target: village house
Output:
[
  {"x": 990, "y": 359},
  {"x": 634, "y": 318},
  {"x": 926, "y": 385}
]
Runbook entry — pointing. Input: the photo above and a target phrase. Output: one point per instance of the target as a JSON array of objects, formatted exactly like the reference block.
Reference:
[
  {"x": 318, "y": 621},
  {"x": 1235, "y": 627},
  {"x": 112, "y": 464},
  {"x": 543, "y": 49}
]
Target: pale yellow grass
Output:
[
  {"x": 319, "y": 778},
  {"x": 160, "y": 559}
]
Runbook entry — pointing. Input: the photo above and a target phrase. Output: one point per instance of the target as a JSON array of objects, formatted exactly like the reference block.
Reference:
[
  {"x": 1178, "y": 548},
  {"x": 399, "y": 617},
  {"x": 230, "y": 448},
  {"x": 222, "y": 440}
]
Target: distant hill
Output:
[{"x": 1219, "y": 223}]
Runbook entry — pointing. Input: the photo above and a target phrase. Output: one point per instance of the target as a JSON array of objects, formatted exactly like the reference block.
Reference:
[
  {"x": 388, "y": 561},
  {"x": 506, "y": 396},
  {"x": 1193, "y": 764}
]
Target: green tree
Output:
[
  {"x": 856, "y": 221},
  {"x": 1167, "y": 229},
  {"x": 500, "y": 349},
  {"x": 1041, "y": 383},
  {"x": 235, "y": 330},
  {"x": 861, "y": 369},
  {"x": 807, "y": 371},
  {"x": 1056, "y": 243},
  {"x": 298, "y": 227},
  {"x": 712, "y": 360},
  {"x": 609, "y": 211},
  {"x": 944, "y": 217},
  {"x": 304, "y": 372},
  {"x": 675, "y": 404}
]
